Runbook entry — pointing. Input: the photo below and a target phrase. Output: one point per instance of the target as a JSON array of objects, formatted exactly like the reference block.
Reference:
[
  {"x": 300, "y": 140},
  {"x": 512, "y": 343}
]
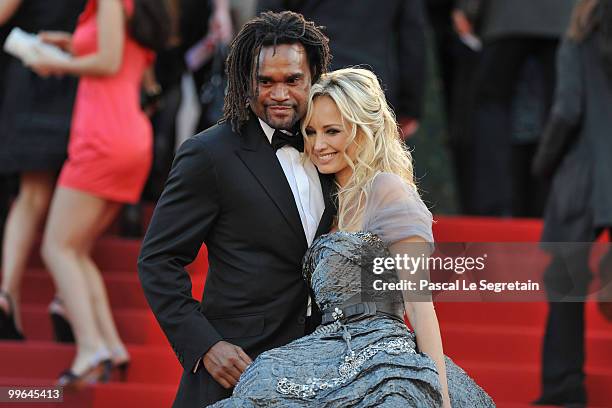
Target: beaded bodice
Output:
[{"x": 338, "y": 267}]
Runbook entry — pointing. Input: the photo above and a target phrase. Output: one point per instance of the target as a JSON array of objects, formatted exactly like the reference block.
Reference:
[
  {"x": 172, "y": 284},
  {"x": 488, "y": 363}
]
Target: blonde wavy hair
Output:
[{"x": 374, "y": 131}]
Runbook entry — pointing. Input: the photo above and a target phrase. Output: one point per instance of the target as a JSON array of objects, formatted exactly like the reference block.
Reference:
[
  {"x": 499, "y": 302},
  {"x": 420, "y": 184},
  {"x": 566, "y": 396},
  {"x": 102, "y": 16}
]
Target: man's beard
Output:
[{"x": 286, "y": 123}]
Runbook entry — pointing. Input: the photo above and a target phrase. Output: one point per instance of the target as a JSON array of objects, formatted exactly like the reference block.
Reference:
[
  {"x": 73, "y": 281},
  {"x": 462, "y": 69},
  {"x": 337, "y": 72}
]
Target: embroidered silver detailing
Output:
[
  {"x": 328, "y": 328},
  {"x": 368, "y": 237},
  {"x": 347, "y": 370}
]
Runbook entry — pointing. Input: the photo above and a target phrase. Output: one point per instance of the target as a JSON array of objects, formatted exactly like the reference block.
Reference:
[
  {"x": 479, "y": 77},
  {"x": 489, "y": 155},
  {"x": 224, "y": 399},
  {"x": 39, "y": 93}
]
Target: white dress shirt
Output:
[{"x": 304, "y": 181}]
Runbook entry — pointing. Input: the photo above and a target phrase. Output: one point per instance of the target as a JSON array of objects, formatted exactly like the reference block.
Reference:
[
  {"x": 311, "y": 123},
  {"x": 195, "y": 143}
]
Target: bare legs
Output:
[
  {"x": 23, "y": 220},
  {"x": 75, "y": 221}
]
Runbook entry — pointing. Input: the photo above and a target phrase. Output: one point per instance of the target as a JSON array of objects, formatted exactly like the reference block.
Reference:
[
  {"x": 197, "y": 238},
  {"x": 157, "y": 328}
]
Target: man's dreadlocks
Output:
[{"x": 269, "y": 29}]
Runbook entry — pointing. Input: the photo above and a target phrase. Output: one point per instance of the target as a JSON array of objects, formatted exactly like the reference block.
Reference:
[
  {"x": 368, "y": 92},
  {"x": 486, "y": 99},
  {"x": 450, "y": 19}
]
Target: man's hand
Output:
[{"x": 225, "y": 362}]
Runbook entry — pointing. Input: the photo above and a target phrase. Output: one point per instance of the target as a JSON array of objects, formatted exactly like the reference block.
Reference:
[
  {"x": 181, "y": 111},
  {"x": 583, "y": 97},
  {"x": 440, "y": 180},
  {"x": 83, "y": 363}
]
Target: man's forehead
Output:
[{"x": 282, "y": 53}]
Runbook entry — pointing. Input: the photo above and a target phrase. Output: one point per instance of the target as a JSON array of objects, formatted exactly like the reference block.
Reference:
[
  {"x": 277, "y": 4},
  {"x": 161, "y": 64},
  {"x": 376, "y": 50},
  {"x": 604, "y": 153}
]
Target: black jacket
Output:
[
  {"x": 576, "y": 146},
  {"x": 228, "y": 191},
  {"x": 532, "y": 18}
]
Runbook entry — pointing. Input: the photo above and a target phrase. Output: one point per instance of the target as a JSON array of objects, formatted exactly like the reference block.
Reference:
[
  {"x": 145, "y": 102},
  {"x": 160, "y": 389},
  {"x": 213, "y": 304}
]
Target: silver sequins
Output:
[{"x": 347, "y": 370}]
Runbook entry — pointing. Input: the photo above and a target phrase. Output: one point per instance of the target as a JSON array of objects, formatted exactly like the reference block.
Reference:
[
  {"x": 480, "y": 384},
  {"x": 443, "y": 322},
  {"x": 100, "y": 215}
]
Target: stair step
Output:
[
  {"x": 124, "y": 290},
  {"x": 532, "y": 314},
  {"x": 136, "y": 326},
  {"x": 486, "y": 229},
  {"x": 116, "y": 254},
  {"x": 149, "y": 365},
  {"x": 116, "y": 395},
  {"x": 109, "y": 253},
  {"x": 521, "y": 382},
  {"x": 499, "y": 344}
]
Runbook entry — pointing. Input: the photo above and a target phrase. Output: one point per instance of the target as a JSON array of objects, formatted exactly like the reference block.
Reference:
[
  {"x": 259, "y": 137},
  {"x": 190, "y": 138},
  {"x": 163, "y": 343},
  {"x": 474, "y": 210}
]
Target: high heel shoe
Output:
[
  {"x": 98, "y": 371},
  {"x": 62, "y": 330},
  {"x": 121, "y": 363},
  {"x": 122, "y": 369},
  {"x": 8, "y": 328}
]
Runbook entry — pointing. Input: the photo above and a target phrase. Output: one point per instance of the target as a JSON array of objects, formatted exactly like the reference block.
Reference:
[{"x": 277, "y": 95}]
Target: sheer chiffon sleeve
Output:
[{"x": 394, "y": 211}]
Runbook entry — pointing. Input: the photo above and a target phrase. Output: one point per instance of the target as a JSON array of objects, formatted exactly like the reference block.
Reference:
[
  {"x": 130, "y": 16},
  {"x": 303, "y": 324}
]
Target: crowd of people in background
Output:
[
  {"x": 495, "y": 64},
  {"x": 70, "y": 160}
]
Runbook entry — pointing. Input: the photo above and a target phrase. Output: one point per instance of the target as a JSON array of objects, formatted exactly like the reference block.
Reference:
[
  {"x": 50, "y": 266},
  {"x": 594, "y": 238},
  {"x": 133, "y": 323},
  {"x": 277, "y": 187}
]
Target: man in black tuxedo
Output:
[{"x": 241, "y": 188}]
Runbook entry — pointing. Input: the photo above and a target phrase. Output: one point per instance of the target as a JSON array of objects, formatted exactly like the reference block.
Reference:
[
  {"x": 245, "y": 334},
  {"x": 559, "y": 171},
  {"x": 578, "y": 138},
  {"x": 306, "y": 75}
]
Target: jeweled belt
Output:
[{"x": 351, "y": 311}]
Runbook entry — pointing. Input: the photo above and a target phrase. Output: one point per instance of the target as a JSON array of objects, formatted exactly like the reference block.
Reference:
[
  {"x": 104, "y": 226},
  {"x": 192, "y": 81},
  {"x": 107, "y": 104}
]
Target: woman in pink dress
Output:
[{"x": 109, "y": 156}]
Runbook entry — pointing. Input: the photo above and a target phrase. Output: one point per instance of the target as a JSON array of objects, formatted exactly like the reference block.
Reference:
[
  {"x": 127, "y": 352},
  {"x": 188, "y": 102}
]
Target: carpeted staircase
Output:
[{"x": 498, "y": 344}]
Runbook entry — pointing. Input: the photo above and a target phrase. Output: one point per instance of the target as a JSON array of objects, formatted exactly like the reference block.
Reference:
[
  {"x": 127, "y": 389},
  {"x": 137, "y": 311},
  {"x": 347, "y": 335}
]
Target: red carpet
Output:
[{"x": 498, "y": 344}]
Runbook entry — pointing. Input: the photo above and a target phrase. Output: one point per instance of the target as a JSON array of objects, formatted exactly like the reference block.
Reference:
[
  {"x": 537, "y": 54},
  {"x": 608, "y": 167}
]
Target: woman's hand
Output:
[
  {"x": 46, "y": 70},
  {"x": 60, "y": 39},
  {"x": 105, "y": 61},
  {"x": 46, "y": 67}
]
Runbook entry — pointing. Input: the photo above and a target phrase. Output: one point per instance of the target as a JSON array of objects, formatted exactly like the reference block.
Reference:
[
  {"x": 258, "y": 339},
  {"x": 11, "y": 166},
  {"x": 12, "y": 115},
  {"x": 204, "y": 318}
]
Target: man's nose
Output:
[{"x": 279, "y": 92}]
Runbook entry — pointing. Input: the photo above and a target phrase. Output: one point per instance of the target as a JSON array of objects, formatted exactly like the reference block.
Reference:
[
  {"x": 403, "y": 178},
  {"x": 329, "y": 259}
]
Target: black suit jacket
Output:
[
  {"x": 228, "y": 191},
  {"x": 387, "y": 37}
]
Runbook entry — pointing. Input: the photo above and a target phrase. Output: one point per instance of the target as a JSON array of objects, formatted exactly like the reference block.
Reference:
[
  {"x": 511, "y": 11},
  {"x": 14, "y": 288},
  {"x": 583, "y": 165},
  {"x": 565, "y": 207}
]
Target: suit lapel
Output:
[
  {"x": 259, "y": 157},
  {"x": 328, "y": 189}
]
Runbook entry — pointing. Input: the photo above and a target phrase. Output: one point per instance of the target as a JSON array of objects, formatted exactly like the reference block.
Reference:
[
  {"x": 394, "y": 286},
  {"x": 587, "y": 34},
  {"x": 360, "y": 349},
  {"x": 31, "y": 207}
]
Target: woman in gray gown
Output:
[{"x": 362, "y": 355}]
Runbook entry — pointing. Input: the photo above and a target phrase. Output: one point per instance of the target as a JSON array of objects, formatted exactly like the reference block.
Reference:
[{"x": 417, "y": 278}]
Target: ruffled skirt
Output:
[{"x": 369, "y": 363}]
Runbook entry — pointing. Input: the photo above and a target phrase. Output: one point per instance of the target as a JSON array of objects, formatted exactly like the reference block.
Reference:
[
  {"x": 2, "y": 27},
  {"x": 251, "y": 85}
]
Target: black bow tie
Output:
[{"x": 280, "y": 139}]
